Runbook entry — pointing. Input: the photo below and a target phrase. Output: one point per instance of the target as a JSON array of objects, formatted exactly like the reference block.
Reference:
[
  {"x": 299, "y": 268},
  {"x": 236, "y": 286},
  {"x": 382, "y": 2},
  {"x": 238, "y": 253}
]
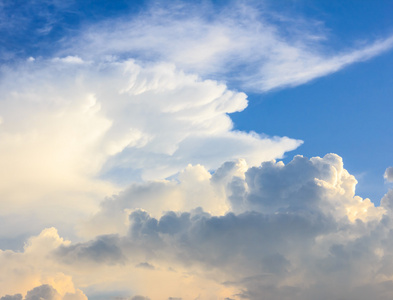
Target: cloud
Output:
[
  {"x": 31, "y": 272},
  {"x": 389, "y": 174},
  {"x": 46, "y": 292},
  {"x": 318, "y": 184},
  {"x": 259, "y": 254},
  {"x": 245, "y": 44},
  {"x": 103, "y": 250},
  {"x": 12, "y": 297},
  {"x": 294, "y": 231},
  {"x": 194, "y": 187},
  {"x": 72, "y": 139},
  {"x": 155, "y": 119},
  {"x": 43, "y": 292},
  {"x": 145, "y": 265},
  {"x": 139, "y": 298},
  {"x": 300, "y": 233}
]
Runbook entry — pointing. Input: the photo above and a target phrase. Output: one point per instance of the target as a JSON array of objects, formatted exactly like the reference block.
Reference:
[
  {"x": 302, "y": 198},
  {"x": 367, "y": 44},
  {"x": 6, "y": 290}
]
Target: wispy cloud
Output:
[{"x": 240, "y": 43}]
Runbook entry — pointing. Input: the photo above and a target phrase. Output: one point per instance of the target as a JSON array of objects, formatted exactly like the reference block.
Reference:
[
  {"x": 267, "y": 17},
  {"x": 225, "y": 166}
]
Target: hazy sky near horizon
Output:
[{"x": 196, "y": 150}]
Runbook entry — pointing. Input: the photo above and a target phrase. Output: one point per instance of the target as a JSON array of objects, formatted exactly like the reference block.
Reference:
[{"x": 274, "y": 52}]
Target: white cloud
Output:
[
  {"x": 68, "y": 59},
  {"x": 320, "y": 184},
  {"x": 389, "y": 174},
  {"x": 245, "y": 44}
]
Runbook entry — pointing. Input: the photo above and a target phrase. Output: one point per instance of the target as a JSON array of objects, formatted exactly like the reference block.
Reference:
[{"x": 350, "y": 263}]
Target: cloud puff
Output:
[
  {"x": 389, "y": 174},
  {"x": 320, "y": 184},
  {"x": 243, "y": 43},
  {"x": 31, "y": 272}
]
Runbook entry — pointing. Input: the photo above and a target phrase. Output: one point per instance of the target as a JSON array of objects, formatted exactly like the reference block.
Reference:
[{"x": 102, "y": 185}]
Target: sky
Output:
[{"x": 196, "y": 150}]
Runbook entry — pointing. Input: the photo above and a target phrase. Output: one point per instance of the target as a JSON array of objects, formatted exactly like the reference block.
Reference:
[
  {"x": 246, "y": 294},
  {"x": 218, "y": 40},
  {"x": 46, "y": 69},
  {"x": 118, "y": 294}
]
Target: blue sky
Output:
[{"x": 196, "y": 150}]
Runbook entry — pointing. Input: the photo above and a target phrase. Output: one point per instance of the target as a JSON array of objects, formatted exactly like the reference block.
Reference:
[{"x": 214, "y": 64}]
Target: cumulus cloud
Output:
[
  {"x": 235, "y": 187},
  {"x": 298, "y": 241},
  {"x": 32, "y": 273},
  {"x": 243, "y": 43},
  {"x": 294, "y": 231},
  {"x": 389, "y": 174}
]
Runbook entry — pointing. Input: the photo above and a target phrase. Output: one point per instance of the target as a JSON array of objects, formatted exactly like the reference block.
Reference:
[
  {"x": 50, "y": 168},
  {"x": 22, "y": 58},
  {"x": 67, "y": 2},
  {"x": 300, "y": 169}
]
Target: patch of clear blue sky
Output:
[
  {"x": 36, "y": 28},
  {"x": 348, "y": 113}
]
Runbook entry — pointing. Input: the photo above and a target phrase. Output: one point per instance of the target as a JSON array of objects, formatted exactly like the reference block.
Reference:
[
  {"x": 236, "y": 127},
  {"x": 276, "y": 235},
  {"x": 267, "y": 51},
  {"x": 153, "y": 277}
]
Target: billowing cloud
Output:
[
  {"x": 153, "y": 119},
  {"x": 235, "y": 187},
  {"x": 299, "y": 241},
  {"x": 73, "y": 138}
]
